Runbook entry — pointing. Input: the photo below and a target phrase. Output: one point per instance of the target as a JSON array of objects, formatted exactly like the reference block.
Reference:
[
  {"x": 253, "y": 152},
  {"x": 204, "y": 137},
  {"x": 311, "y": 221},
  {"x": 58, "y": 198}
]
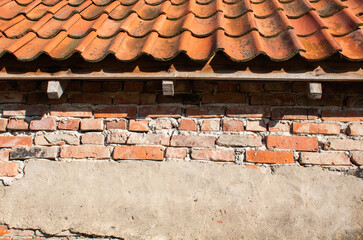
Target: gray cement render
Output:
[{"x": 183, "y": 200}]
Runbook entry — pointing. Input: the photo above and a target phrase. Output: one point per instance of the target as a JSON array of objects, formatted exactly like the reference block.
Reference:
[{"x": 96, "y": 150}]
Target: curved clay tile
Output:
[
  {"x": 266, "y": 8},
  {"x": 68, "y": 11},
  {"x": 326, "y": 8},
  {"x": 307, "y": 24},
  {"x": 10, "y": 10},
  {"x": 355, "y": 6},
  {"x": 297, "y": 8},
  {"x": 24, "y": 2},
  {"x": 352, "y": 45},
  {"x": 342, "y": 23}
]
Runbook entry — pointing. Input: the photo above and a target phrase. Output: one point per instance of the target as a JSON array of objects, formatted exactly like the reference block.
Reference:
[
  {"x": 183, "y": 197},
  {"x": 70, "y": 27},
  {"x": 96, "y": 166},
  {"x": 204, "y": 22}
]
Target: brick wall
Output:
[{"x": 248, "y": 123}]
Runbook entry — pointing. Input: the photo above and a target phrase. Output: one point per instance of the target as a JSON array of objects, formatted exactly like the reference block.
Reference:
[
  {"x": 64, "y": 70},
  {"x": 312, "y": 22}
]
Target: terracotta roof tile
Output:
[{"x": 242, "y": 29}]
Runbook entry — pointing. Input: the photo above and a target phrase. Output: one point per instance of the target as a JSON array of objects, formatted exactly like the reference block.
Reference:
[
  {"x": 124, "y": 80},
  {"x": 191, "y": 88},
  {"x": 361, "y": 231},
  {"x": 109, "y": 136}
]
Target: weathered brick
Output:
[
  {"x": 3, "y": 228},
  {"x": 226, "y": 155},
  {"x": 327, "y": 99},
  {"x": 73, "y": 86},
  {"x": 317, "y": 128},
  {"x": 324, "y": 158},
  {"x": 357, "y": 158},
  {"x": 176, "y": 153},
  {"x": 127, "y": 98},
  {"x": 24, "y": 110},
  {"x": 294, "y": 114},
  {"x": 70, "y": 111},
  {"x": 15, "y": 124},
  {"x": 11, "y": 141},
  {"x": 276, "y": 87},
  {"x": 227, "y": 86},
  {"x": 27, "y": 86},
  {"x": 115, "y": 112},
  {"x": 249, "y": 87},
  {"x": 292, "y": 142},
  {"x": 256, "y": 126},
  {"x": 138, "y": 153},
  {"x": 239, "y": 141},
  {"x": 203, "y": 86},
  {"x": 232, "y": 125},
  {"x": 91, "y": 87},
  {"x": 3, "y": 123},
  {"x": 278, "y": 126},
  {"x": 117, "y": 138},
  {"x": 139, "y": 125},
  {"x": 192, "y": 141},
  {"x": 9, "y": 169},
  {"x": 44, "y": 124},
  {"x": 133, "y": 86},
  {"x": 248, "y": 111},
  {"x": 147, "y": 98},
  {"x": 7, "y": 86},
  {"x": 160, "y": 111},
  {"x": 153, "y": 86},
  {"x": 91, "y": 98},
  {"x": 111, "y": 86},
  {"x": 91, "y": 138},
  {"x": 71, "y": 124},
  {"x": 56, "y": 139},
  {"x": 4, "y": 155},
  {"x": 91, "y": 125},
  {"x": 85, "y": 151},
  {"x": 117, "y": 124},
  {"x": 228, "y": 97},
  {"x": 278, "y": 99},
  {"x": 148, "y": 139},
  {"x": 355, "y": 129},
  {"x": 187, "y": 125},
  {"x": 163, "y": 124},
  {"x": 205, "y": 112},
  {"x": 269, "y": 156},
  {"x": 210, "y": 125},
  {"x": 344, "y": 144},
  {"x": 342, "y": 115},
  {"x": 12, "y": 97},
  {"x": 21, "y": 234},
  {"x": 355, "y": 101},
  {"x": 182, "y": 86},
  {"x": 34, "y": 152}
]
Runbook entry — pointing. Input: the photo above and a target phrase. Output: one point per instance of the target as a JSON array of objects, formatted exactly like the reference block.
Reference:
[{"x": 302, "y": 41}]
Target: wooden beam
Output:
[
  {"x": 168, "y": 88},
  {"x": 315, "y": 91},
  {"x": 55, "y": 89}
]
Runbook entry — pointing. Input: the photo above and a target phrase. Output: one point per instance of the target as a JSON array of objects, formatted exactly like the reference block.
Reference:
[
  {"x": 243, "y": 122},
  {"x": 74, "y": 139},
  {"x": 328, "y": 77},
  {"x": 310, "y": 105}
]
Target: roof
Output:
[{"x": 128, "y": 29}]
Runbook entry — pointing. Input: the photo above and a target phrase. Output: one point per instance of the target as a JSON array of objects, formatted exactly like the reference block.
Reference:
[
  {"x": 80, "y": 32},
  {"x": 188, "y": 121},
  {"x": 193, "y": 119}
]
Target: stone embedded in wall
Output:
[{"x": 240, "y": 141}]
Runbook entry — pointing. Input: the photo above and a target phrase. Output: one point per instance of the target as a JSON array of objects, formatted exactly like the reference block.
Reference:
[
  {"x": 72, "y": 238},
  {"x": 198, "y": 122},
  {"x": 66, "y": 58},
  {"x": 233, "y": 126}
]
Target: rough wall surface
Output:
[{"x": 261, "y": 126}]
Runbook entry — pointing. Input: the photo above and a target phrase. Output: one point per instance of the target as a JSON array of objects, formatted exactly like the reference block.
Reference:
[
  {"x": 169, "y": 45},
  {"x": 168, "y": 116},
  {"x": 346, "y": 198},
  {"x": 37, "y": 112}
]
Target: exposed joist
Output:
[
  {"x": 315, "y": 91},
  {"x": 168, "y": 88},
  {"x": 55, "y": 89}
]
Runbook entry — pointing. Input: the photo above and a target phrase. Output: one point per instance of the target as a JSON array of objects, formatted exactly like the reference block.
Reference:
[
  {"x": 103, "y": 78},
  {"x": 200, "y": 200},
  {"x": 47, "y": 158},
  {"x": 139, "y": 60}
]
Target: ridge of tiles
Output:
[{"x": 242, "y": 29}]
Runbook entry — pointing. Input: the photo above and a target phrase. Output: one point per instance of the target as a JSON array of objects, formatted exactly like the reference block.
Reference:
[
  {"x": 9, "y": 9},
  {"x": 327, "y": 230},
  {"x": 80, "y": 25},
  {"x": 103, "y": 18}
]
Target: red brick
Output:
[
  {"x": 27, "y": 86},
  {"x": 227, "y": 87},
  {"x": 139, "y": 125},
  {"x": 12, "y": 97},
  {"x": 277, "y": 99},
  {"x": 250, "y": 87},
  {"x": 294, "y": 114},
  {"x": 248, "y": 111},
  {"x": 138, "y": 153},
  {"x": 187, "y": 125},
  {"x": 56, "y": 139},
  {"x": 71, "y": 124},
  {"x": 92, "y": 125},
  {"x": 269, "y": 156},
  {"x": 117, "y": 124},
  {"x": 91, "y": 98},
  {"x": 192, "y": 141},
  {"x": 90, "y": 138},
  {"x": 91, "y": 87},
  {"x": 357, "y": 158},
  {"x": 277, "y": 126},
  {"x": 11, "y": 141},
  {"x": 85, "y": 151},
  {"x": 205, "y": 112},
  {"x": 147, "y": 98},
  {"x": 70, "y": 111},
  {"x": 3, "y": 123},
  {"x": 14, "y": 124},
  {"x": 203, "y": 86},
  {"x": 327, "y": 99},
  {"x": 169, "y": 99},
  {"x": 292, "y": 142},
  {"x": 276, "y": 87},
  {"x": 256, "y": 126},
  {"x": 115, "y": 112},
  {"x": 3, "y": 229},
  {"x": 133, "y": 86},
  {"x": 21, "y": 234},
  {"x": 127, "y": 98},
  {"x": 210, "y": 125},
  {"x": 355, "y": 129},
  {"x": 232, "y": 125},
  {"x": 176, "y": 153},
  {"x": 342, "y": 115},
  {"x": 148, "y": 139},
  {"x": 45, "y": 124},
  {"x": 226, "y": 155},
  {"x": 224, "y": 98},
  {"x": 4, "y": 156},
  {"x": 42, "y": 98},
  {"x": 344, "y": 144},
  {"x": 111, "y": 86},
  {"x": 9, "y": 169},
  {"x": 24, "y": 110},
  {"x": 160, "y": 111},
  {"x": 317, "y": 128},
  {"x": 324, "y": 158}
]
